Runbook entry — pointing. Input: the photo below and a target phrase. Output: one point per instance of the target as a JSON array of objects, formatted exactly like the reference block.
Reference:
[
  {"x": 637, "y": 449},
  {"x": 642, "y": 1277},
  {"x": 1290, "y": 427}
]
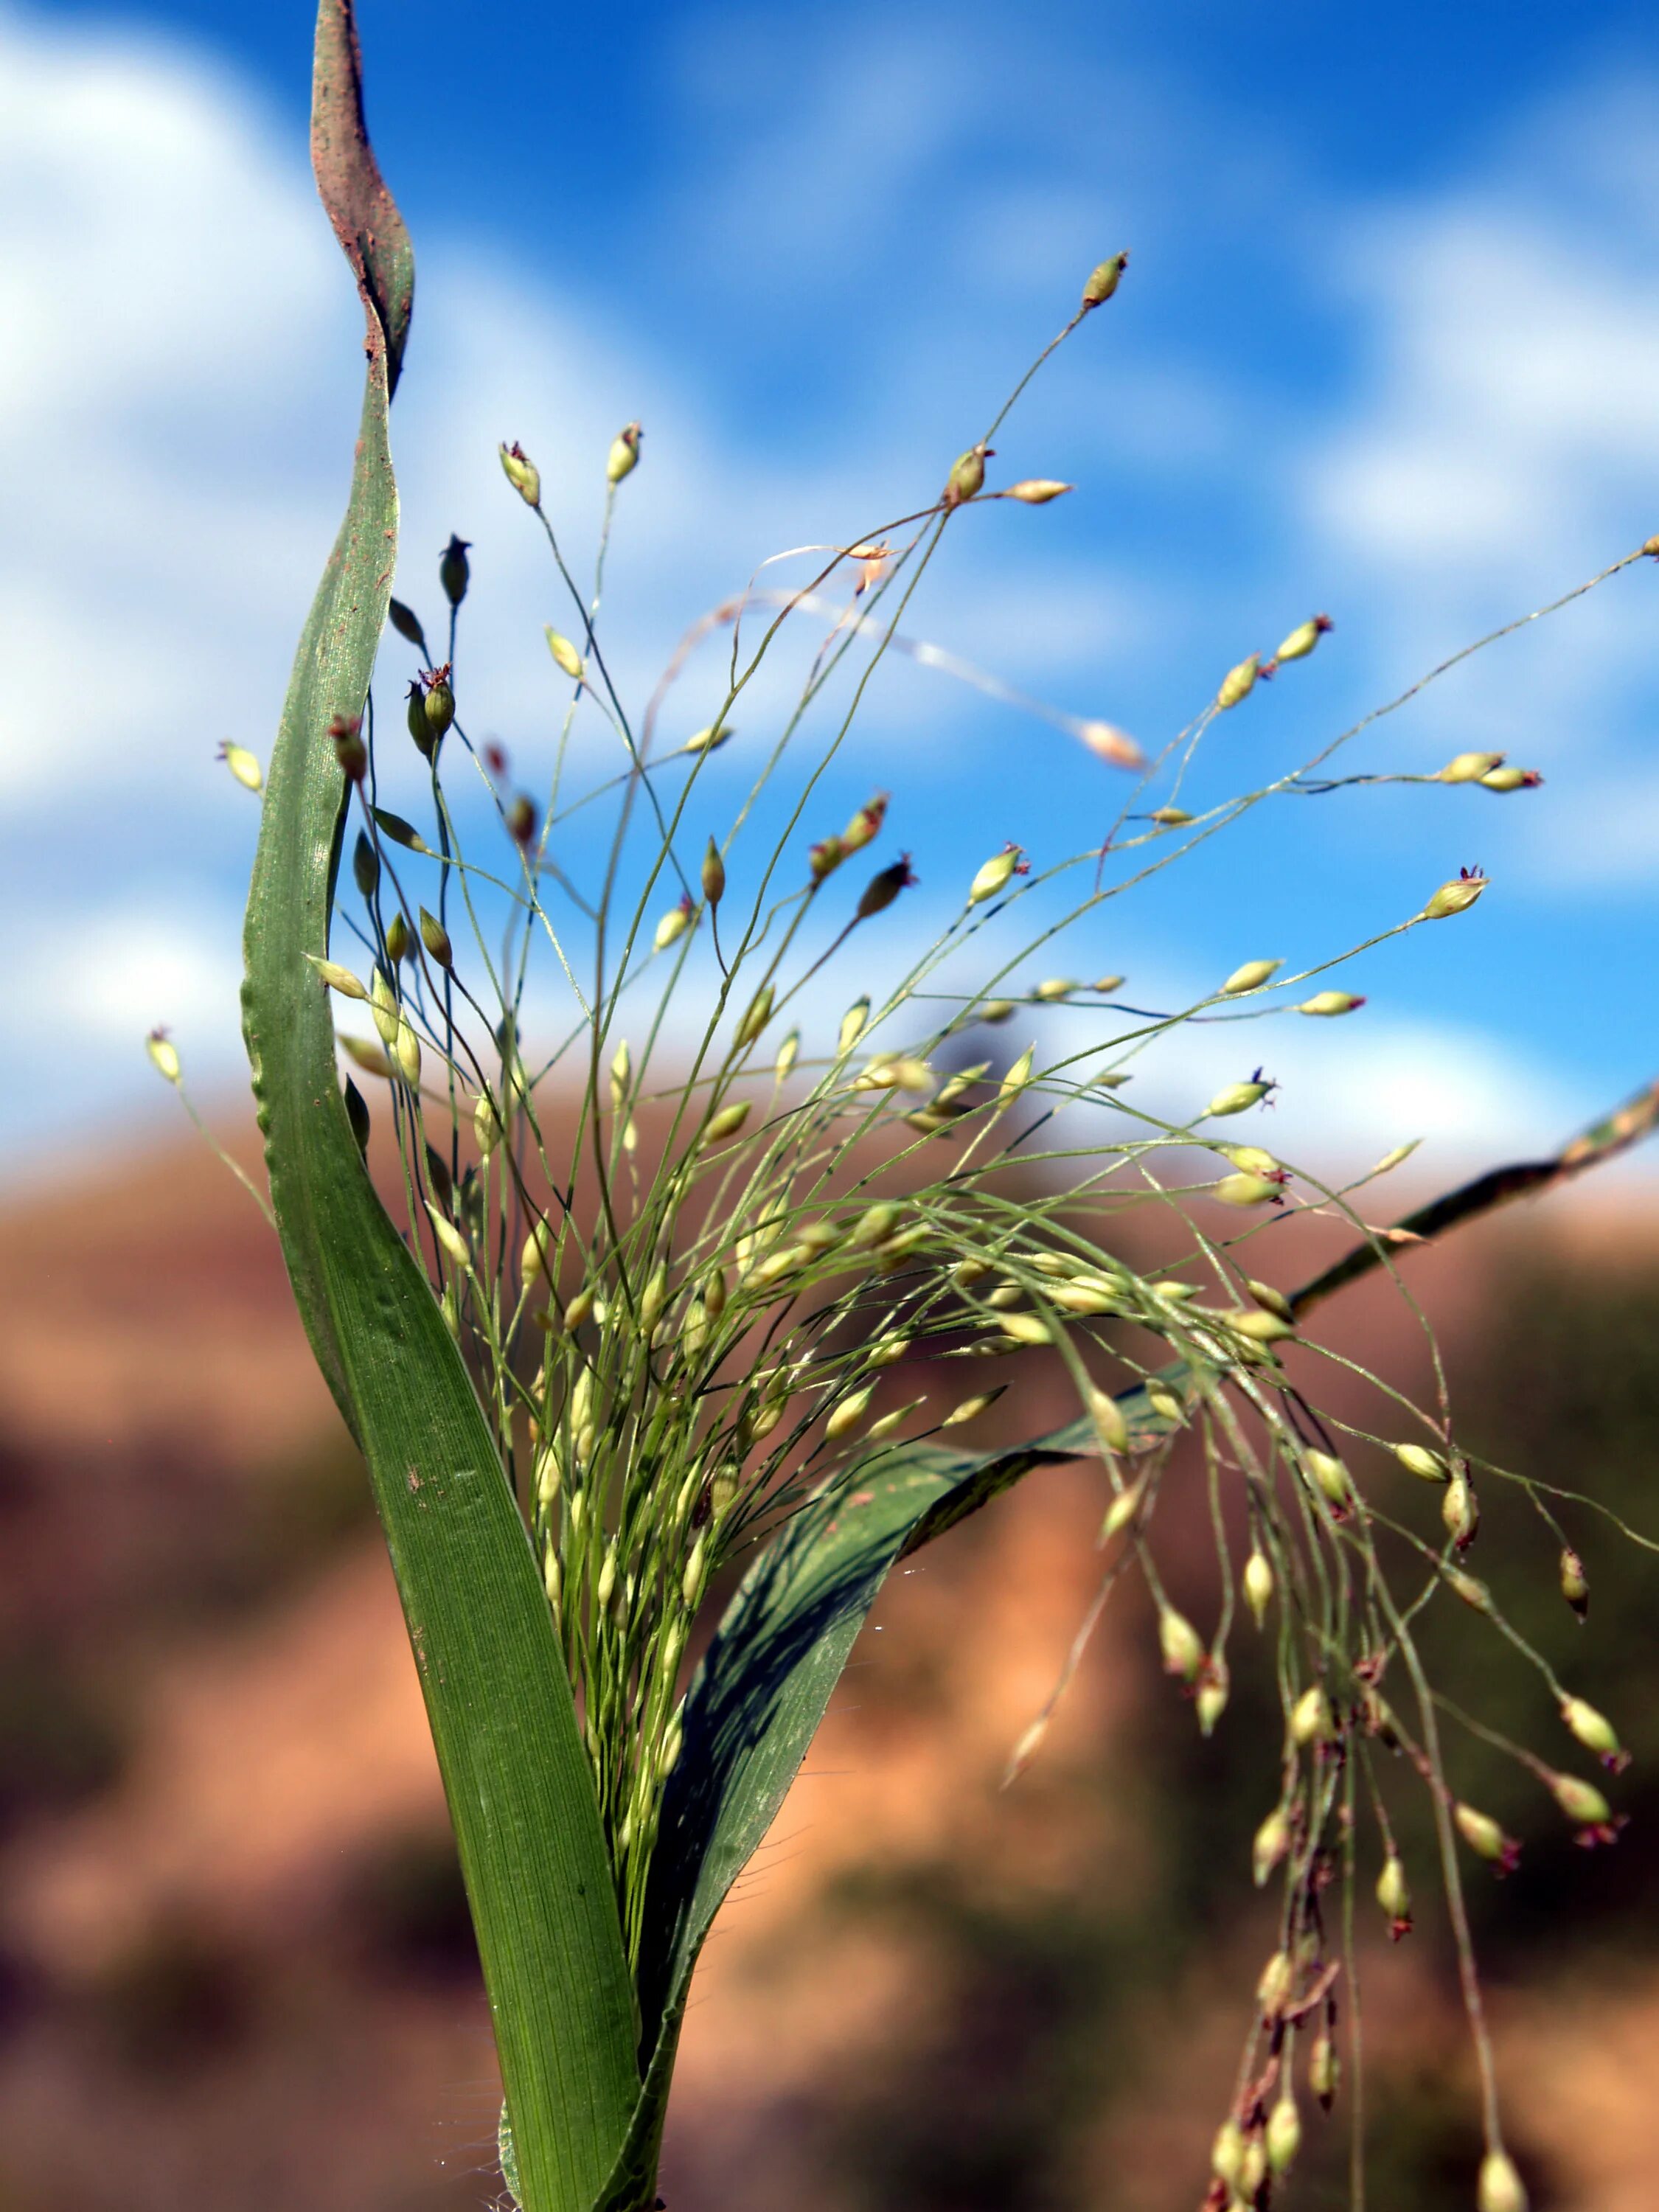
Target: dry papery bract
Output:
[{"x": 709, "y": 1248}]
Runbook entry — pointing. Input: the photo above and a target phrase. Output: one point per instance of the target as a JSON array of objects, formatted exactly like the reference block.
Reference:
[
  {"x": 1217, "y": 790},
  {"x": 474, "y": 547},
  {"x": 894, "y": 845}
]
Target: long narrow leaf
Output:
[{"x": 503, "y": 1718}]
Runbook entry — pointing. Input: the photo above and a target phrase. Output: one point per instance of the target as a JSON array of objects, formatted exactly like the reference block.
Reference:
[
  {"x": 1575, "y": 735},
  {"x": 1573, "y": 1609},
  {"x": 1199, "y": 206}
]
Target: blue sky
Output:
[{"x": 1387, "y": 348}]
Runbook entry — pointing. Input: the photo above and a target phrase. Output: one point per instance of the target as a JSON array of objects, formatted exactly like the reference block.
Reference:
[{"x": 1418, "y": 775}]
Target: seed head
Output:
[
  {"x": 406, "y": 1051},
  {"x": 1469, "y": 767},
  {"x": 1210, "y": 1701},
  {"x": 1258, "y": 1584},
  {"x": 1311, "y": 1719},
  {"x": 365, "y": 866},
  {"x": 565, "y": 654},
  {"x": 1485, "y": 1839},
  {"x": 1328, "y": 1475},
  {"x": 1238, "y": 683},
  {"x": 1417, "y": 1459},
  {"x": 1178, "y": 1641},
  {"x": 1302, "y": 639},
  {"x": 1575, "y": 1584},
  {"x": 1037, "y": 491},
  {"x": 881, "y": 891},
  {"x": 1238, "y": 1098},
  {"x": 788, "y": 1053},
  {"x": 1283, "y": 2134},
  {"x": 1273, "y": 1840},
  {"x": 448, "y": 1236},
  {"x": 1054, "y": 988},
  {"x": 865, "y": 825},
  {"x": 1250, "y": 977},
  {"x": 996, "y": 874},
  {"x": 242, "y": 765},
  {"x": 1324, "y": 2069},
  {"x": 1227, "y": 2152},
  {"x": 1331, "y": 1002},
  {"x": 1511, "y": 778},
  {"x": 967, "y": 477},
  {"x": 673, "y": 925},
  {"x": 970, "y": 1409},
  {"x": 1249, "y": 1190},
  {"x": 1394, "y": 1895},
  {"x": 713, "y": 875},
  {"x": 439, "y": 705},
  {"x": 453, "y": 572},
  {"x": 624, "y": 456},
  {"x": 726, "y": 1123},
  {"x": 1500, "y": 2188},
  {"x": 435, "y": 938},
  {"x": 849, "y": 1414},
  {"x": 1278, "y": 1979},
  {"x": 348, "y": 748},
  {"x": 1456, "y": 897},
  {"x": 757, "y": 1015},
  {"x": 1110, "y": 1427},
  {"x": 522, "y": 474},
  {"x": 1595, "y": 1732},
  {"x": 1460, "y": 1510},
  {"x": 1104, "y": 281},
  {"x": 163, "y": 1057},
  {"x": 1582, "y": 1801}
]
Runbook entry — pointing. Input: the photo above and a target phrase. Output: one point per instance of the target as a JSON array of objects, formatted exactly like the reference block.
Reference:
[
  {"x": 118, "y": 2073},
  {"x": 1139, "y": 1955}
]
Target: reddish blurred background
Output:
[{"x": 234, "y": 1962}]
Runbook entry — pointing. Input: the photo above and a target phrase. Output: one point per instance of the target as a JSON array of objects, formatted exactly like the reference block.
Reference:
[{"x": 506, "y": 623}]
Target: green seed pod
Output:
[
  {"x": 349, "y": 750},
  {"x": 726, "y": 1123},
  {"x": 851, "y": 1025},
  {"x": 1483, "y": 1835},
  {"x": 1122, "y": 1511},
  {"x": 1178, "y": 1641},
  {"x": 564, "y": 654},
  {"x": 875, "y": 1225},
  {"x": 1394, "y": 1895},
  {"x": 1260, "y": 1325},
  {"x": 578, "y": 1309},
  {"x": 1111, "y": 1430},
  {"x": 967, "y": 477},
  {"x": 652, "y": 1298},
  {"x": 435, "y": 938},
  {"x": 357, "y": 1114},
  {"x": 333, "y": 977},
  {"x": 407, "y": 623},
  {"x": 1273, "y": 1841},
  {"x": 1460, "y": 1510},
  {"x": 448, "y": 1236},
  {"x": 1273, "y": 1990},
  {"x": 1258, "y": 1584},
  {"x": 1037, "y": 491},
  {"x": 1324, "y": 2070},
  {"x": 1238, "y": 683},
  {"x": 672, "y": 926},
  {"x": 1417, "y": 1459},
  {"x": 691, "y": 1581},
  {"x": 439, "y": 704},
  {"x": 383, "y": 1005},
  {"x": 1594, "y": 1731},
  {"x": 397, "y": 942},
  {"x": 1274, "y": 1301},
  {"x": 1025, "y": 1328},
  {"x": 825, "y": 857},
  {"x": 709, "y": 739},
  {"x": 1575, "y": 1584},
  {"x": 452, "y": 570},
  {"x": 406, "y": 1050},
  {"x": 849, "y": 1414},
  {"x": 552, "y": 1579},
  {"x": 1283, "y": 2134},
  {"x": 1104, "y": 281},
  {"x": 1247, "y": 1190},
  {"x": 1511, "y": 778},
  {"x": 522, "y": 474},
  {"x": 365, "y": 866},
  {"x": 1211, "y": 1701},
  {"x": 865, "y": 825},
  {"x": 757, "y": 1017},
  {"x": 371, "y": 1061},
  {"x": 1227, "y": 2152},
  {"x": 1170, "y": 817},
  {"x": 1329, "y": 1476},
  {"x": 1582, "y": 1801},
  {"x": 714, "y": 874},
  {"x": 1236, "y": 1098},
  {"x": 1016, "y": 1078},
  {"x": 1053, "y": 988},
  {"x": 486, "y": 1125},
  {"x": 994, "y": 876},
  {"x": 624, "y": 456},
  {"x": 1330, "y": 1002},
  {"x": 1469, "y": 767},
  {"x": 1500, "y": 2188},
  {"x": 1456, "y": 897},
  {"x": 788, "y": 1053},
  {"x": 996, "y": 1010},
  {"x": 1250, "y": 977},
  {"x": 1311, "y": 1719},
  {"x": 1303, "y": 638},
  {"x": 971, "y": 1408},
  {"x": 242, "y": 765}
]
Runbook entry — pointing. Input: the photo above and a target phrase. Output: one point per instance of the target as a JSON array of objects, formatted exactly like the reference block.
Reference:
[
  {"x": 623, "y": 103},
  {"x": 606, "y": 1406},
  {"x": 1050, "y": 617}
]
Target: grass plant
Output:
[{"x": 664, "y": 1276}]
